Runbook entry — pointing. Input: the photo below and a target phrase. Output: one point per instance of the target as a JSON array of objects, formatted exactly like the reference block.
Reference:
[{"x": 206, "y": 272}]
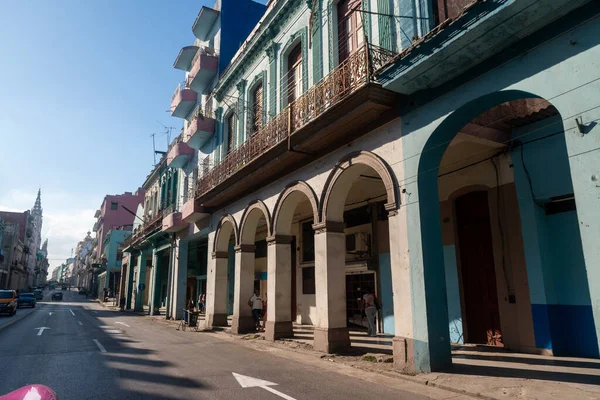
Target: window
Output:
[
  {"x": 230, "y": 132},
  {"x": 350, "y": 28},
  {"x": 294, "y": 73},
  {"x": 308, "y": 280},
  {"x": 257, "y": 109},
  {"x": 308, "y": 242},
  {"x": 350, "y": 242},
  {"x": 114, "y": 205}
]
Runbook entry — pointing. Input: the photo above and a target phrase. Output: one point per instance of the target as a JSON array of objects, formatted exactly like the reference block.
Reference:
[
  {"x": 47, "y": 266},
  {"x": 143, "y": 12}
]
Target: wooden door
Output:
[
  {"x": 477, "y": 269},
  {"x": 257, "y": 109},
  {"x": 350, "y": 28}
]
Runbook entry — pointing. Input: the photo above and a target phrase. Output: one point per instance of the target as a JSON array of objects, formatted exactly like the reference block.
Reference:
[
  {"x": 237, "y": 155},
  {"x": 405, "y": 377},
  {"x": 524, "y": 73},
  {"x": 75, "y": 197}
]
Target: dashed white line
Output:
[
  {"x": 72, "y": 313},
  {"x": 102, "y": 349},
  {"x": 80, "y": 323}
]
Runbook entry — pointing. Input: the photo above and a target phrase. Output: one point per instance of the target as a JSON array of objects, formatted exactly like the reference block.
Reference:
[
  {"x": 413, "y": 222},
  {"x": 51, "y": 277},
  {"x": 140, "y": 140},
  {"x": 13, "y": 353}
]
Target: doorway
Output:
[{"x": 480, "y": 295}]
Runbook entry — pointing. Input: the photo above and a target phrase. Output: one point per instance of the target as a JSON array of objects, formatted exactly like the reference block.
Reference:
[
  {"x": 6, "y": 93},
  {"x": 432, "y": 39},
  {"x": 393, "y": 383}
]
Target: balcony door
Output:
[
  {"x": 230, "y": 133},
  {"x": 350, "y": 28},
  {"x": 257, "y": 109},
  {"x": 294, "y": 74}
]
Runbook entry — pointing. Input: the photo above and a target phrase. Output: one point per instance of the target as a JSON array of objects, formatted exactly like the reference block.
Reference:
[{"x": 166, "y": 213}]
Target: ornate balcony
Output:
[
  {"x": 341, "y": 107},
  {"x": 204, "y": 23},
  {"x": 185, "y": 57},
  {"x": 172, "y": 221},
  {"x": 204, "y": 69},
  {"x": 192, "y": 210},
  {"x": 179, "y": 153},
  {"x": 183, "y": 100},
  {"x": 200, "y": 129}
]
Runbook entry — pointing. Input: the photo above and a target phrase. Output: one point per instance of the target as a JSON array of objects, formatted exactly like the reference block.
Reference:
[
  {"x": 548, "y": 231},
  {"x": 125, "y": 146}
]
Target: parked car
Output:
[
  {"x": 82, "y": 290},
  {"x": 57, "y": 296},
  {"x": 64, "y": 287},
  {"x": 26, "y": 300},
  {"x": 8, "y": 302},
  {"x": 38, "y": 294}
]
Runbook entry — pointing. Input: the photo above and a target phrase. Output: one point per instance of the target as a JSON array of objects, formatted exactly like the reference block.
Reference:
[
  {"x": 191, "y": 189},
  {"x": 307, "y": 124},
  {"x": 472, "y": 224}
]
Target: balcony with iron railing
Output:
[
  {"x": 200, "y": 128},
  {"x": 183, "y": 100},
  {"x": 344, "y": 105},
  {"x": 203, "y": 70},
  {"x": 172, "y": 220},
  {"x": 179, "y": 153}
]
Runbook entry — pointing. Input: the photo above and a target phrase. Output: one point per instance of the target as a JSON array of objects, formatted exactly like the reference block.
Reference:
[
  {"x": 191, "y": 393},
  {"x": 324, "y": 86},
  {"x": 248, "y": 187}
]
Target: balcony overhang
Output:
[
  {"x": 173, "y": 222},
  {"x": 185, "y": 57},
  {"x": 204, "y": 23},
  {"x": 199, "y": 131},
  {"x": 182, "y": 102},
  {"x": 179, "y": 155},
  {"x": 485, "y": 28},
  {"x": 364, "y": 110},
  {"x": 203, "y": 71},
  {"x": 193, "y": 212}
]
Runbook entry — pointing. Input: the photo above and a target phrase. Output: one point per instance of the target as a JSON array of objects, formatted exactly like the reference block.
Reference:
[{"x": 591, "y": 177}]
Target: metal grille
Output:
[{"x": 352, "y": 74}]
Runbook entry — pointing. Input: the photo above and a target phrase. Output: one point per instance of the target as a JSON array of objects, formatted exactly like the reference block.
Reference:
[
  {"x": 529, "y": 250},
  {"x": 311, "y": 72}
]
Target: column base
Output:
[
  {"x": 331, "y": 340},
  {"x": 404, "y": 355},
  {"x": 278, "y": 329},
  {"x": 242, "y": 324},
  {"x": 215, "y": 320}
]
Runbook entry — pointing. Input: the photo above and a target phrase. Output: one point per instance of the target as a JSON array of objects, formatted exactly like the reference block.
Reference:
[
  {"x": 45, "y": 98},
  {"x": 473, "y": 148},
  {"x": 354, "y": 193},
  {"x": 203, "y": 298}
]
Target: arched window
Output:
[
  {"x": 294, "y": 73},
  {"x": 350, "y": 28}
]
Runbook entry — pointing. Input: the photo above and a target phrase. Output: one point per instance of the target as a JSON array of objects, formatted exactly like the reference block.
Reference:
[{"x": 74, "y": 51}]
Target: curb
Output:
[{"x": 15, "y": 319}]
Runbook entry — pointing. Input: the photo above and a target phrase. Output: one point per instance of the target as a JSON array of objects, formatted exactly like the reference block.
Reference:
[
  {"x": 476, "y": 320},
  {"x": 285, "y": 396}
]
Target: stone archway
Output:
[
  {"x": 297, "y": 206},
  {"x": 250, "y": 264},
  {"x": 217, "y": 274}
]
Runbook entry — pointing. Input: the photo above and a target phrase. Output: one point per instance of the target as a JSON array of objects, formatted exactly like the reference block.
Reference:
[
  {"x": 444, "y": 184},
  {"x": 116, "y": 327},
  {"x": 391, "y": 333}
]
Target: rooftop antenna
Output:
[{"x": 167, "y": 132}]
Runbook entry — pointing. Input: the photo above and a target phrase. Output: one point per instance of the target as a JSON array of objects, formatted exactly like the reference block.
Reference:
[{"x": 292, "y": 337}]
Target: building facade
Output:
[{"x": 443, "y": 155}]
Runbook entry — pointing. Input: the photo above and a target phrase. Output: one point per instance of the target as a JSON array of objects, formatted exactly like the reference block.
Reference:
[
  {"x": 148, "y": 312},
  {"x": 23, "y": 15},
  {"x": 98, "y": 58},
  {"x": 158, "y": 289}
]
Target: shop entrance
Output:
[{"x": 356, "y": 284}]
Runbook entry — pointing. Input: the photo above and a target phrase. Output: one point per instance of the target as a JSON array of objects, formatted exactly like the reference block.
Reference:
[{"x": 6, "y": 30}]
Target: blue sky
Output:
[{"x": 82, "y": 85}]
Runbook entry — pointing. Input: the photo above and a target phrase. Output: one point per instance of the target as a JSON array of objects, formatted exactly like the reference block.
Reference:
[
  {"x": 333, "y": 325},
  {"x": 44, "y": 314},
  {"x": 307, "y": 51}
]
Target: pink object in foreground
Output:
[{"x": 31, "y": 392}]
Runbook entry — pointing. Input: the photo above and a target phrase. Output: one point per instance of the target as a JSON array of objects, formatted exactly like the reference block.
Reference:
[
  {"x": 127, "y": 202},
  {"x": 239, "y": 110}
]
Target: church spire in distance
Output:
[{"x": 38, "y": 201}]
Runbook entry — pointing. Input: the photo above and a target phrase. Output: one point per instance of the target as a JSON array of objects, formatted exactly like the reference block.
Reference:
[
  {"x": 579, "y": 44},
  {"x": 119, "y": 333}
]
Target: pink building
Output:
[{"x": 113, "y": 214}]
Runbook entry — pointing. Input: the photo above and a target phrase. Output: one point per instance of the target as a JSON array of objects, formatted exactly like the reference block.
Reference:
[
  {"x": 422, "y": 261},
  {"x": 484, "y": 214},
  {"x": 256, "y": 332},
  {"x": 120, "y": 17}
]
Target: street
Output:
[{"x": 84, "y": 351}]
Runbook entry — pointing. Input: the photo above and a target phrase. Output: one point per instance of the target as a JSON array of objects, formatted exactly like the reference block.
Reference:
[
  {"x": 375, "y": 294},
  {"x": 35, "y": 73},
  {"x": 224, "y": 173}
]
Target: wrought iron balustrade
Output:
[{"x": 352, "y": 74}]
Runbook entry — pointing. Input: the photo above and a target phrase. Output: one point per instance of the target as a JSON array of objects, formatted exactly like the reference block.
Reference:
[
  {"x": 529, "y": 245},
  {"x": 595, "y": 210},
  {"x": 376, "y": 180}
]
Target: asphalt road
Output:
[{"x": 88, "y": 352}]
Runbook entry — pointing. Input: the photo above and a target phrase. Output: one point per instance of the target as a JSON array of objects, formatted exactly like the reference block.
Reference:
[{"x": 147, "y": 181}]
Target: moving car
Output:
[
  {"x": 26, "y": 300},
  {"x": 8, "y": 302},
  {"x": 38, "y": 294},
  {"x": 57, "y": 296}
]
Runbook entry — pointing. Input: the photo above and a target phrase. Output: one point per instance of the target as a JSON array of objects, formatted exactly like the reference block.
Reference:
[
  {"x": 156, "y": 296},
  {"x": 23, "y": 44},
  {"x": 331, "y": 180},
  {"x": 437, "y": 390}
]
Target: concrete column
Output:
[
  {"x": 584, "y": 155},
  {"x": 331, "y": 332},
  {"x": 129, "y": 280},
  {"x": 279, "y": 288},
  {"x": 216, "y": 290},
  {"x": 403, "y": 343},
  {"x": 243, "y": 289},
  {"x": 179, "y": 290},
  {"x": 140, "y": 278},
  {"x": 154, "y": 288},
  {"x": 170, "y": 279}
]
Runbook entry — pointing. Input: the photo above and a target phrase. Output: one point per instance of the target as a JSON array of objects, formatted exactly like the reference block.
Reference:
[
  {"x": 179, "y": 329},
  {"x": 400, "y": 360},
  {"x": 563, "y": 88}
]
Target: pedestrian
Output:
[
  {"x": 105, "y": 294},
  {"x": 122, "y": 303},
  {"x": 190, "y": 306},
  {"x": 256, "y": 303},
  {"x": 202, "y": 302},
  {"x": 369, "y": 306}
]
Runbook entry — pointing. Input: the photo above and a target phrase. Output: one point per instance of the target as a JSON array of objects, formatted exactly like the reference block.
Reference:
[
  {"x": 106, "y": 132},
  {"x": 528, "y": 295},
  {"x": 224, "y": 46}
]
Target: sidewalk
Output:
[{"x": 477, "y": 371}]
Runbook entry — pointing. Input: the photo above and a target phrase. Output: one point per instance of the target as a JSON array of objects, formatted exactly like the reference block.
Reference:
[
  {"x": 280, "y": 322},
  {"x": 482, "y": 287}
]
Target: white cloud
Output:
[{"x": 67, "y": 219}]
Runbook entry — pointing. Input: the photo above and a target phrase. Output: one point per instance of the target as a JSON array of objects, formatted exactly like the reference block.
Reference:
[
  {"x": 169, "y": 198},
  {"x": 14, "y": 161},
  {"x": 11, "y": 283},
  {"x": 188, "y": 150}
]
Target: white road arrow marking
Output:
[
  {"x": 80, "y": 323},
  {"x": 49, "y": 313},
  {"x": 122, "y": 323},
  {"x": 248, "y": 381},
  {"x": 41, "y": 330}
]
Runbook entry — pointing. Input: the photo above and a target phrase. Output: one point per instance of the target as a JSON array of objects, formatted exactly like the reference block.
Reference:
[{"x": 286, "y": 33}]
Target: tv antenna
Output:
[{"x": 167, "y": 132}]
